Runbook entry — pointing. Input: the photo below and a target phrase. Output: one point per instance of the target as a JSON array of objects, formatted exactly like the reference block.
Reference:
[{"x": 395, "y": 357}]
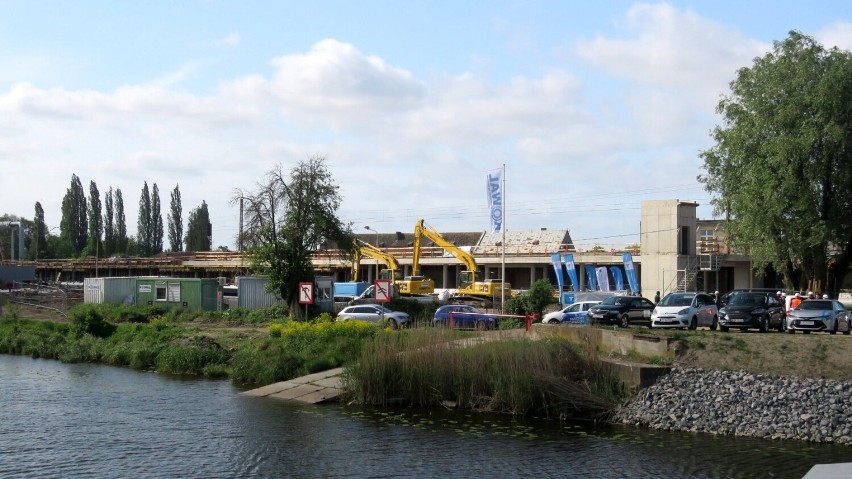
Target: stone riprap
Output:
[{"x": 744, "y": 404}]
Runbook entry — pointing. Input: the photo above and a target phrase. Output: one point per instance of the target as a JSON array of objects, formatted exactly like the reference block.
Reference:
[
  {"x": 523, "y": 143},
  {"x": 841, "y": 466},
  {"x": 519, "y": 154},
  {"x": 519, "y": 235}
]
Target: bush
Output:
[{"x": 87, "y": 319}]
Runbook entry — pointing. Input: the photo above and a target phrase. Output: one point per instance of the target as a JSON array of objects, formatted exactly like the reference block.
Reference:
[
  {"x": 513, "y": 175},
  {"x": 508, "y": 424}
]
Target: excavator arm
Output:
[
  {"x": 422, "y": 230},
  {"x": 366, "y": 249}
]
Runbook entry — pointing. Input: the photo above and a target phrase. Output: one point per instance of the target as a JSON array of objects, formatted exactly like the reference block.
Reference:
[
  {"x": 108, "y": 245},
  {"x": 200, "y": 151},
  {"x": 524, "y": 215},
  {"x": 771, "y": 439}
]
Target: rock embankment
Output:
[{"x": 745, "y": 404}]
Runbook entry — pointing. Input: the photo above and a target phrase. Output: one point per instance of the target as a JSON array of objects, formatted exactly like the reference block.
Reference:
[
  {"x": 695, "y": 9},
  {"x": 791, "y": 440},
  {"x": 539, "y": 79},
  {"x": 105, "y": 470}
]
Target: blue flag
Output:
[
  {"x": 631, "y": 272},
  {"x": 616, "y": 276},
  {"x": 572, "y": 271},
  {"x": 592, "y": 277},
  {"x": 557, "y": 267}
]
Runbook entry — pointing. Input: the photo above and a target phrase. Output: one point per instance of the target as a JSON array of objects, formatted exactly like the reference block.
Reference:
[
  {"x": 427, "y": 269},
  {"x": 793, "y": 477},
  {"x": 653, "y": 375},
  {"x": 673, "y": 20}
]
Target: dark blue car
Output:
[{"x": 464, "y": 316}]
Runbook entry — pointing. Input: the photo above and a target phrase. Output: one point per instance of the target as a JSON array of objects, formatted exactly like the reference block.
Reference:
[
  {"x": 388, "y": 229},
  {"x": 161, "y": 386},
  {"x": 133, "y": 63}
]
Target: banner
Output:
[
  {"x": 617, "y": 277},
  {"x": 494, "y": 187},
  {"x": 557, "y": 267},
  {"x": 603, "y": 278},
  {"x": 631, "y": 272},
  {"x": 591, "y": 278},
  {"x": 572, "y": 271}
]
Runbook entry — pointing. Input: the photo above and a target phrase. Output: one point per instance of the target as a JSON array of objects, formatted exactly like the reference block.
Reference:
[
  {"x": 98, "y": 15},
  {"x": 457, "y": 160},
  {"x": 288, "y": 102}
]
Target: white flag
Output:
[{"x": 494, "y": 187}]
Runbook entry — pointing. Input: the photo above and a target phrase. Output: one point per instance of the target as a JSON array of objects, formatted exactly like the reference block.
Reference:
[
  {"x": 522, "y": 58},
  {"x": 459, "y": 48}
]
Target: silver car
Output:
[
  {"x": 374, "y": 313},
  {"x": 685, "y": 310},
  {"x": 818, "y": 315}
]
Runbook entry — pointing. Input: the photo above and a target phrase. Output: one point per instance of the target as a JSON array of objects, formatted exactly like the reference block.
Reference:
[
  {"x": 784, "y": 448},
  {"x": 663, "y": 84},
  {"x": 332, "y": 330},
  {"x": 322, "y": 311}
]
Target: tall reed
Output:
[{"x": 432, "y": 367}]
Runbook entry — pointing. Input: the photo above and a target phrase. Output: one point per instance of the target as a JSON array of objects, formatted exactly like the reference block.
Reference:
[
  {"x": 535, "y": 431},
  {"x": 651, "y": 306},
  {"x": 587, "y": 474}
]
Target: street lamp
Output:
[{"x": 377, "y": 245}]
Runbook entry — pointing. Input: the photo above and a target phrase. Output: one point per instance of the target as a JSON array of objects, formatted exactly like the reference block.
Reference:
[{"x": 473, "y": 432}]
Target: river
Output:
[{"x": 81, "y": 420}]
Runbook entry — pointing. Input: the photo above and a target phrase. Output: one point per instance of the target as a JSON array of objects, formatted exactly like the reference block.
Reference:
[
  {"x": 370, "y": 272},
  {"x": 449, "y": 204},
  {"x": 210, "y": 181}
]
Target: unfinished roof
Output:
[{"x": 526, "y": 242}]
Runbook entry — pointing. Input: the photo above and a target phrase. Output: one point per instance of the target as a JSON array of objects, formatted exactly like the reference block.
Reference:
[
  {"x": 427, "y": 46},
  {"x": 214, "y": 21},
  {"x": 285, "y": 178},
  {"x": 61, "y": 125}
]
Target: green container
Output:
[{"x": 186, "y": 293}]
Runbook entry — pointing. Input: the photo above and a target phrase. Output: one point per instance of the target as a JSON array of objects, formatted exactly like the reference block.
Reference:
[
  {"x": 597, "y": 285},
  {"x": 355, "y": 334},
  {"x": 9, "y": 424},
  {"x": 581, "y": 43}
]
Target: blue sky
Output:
[{"x": 592, "y": 106}]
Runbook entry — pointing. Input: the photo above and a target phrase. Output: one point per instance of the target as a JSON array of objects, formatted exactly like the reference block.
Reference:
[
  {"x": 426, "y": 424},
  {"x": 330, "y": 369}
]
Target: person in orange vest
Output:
[{"x": 797, "y": 300}]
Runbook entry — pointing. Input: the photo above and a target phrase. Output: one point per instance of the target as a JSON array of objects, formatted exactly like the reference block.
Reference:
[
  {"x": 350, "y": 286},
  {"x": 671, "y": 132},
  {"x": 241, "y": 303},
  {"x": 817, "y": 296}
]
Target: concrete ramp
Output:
[{"x": 314, "y": 388}]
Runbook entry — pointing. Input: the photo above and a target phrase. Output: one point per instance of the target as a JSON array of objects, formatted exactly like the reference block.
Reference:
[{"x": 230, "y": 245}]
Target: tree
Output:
[
  {"x": 109, "y": 225},
  {"x": 120, "y": 224},
  {"x": 38, "y": 246},
  {"x": 156, "y": 222},
  {"x": 144, "y": 228},
  {"x": 175, "y": 221},
  {"x": 781, "y": 168},
  {"x": 198, "y": 229},
  {"x": 74, "y": 225},
  {"x": 96, "y": 227},
  {"x": 287, "y": 218}
]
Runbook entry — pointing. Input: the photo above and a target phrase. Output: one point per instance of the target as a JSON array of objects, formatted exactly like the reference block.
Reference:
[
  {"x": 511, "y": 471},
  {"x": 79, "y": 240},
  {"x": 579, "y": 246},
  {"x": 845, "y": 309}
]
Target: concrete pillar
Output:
[{"x": 444, "y": 276}]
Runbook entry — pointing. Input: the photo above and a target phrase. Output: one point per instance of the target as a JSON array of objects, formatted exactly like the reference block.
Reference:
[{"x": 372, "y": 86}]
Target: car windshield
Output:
[
  {"x": 676, "y": 300},
  {"x": 815, "y": 305},
  {"x": 616, "y": 300},
  {"x": 748, "y": 299},
  {"x": 382, "y": 309}
]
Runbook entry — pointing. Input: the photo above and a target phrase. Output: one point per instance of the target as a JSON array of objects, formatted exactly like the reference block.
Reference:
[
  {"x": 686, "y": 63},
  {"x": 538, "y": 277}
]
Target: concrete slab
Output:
[
  {"x": 332, "y": 382},
  {"x": 296, "y": 392},
  {"x": 830, "y": 471},
  {"x": 310, "y": 378},
  {"x": 271, "y": 388},
  {"x": 323, "y": 395}
]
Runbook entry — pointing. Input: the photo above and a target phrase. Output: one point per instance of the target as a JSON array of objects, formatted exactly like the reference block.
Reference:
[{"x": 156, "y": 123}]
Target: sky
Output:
[{"x": 592, "y": 107}]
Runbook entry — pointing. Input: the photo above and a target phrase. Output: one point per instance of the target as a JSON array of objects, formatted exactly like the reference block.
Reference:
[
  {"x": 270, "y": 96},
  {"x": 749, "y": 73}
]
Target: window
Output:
[
  {"x": 168, "y": 292},
  {"x": 706, "y": 235}
]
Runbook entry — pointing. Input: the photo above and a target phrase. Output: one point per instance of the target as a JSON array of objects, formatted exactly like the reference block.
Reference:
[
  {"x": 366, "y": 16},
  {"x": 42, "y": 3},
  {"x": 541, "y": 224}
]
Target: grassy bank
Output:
[
  {"x": 272, "y": 349},
  {"x": 433, "y": 367}
]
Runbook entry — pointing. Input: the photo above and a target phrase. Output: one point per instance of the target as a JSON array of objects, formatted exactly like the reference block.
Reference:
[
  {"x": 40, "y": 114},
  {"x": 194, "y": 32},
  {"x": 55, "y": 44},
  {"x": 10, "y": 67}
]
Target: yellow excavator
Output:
[
  {"x": 410, "y": 285},
  {"x": 469, "y": 286}
]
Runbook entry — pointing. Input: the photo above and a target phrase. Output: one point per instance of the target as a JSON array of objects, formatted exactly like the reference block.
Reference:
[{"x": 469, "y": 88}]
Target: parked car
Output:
[
  {"x": 685, "y": 310},
  {"x": 622, "y": 310},
  {"x": 374, "y": 313},
  {"x": 464, "y": 316},
  {"x": 575, "y": 313},
  {"x": 752, "y": 309},
  {"x": 819, "y": 315}
]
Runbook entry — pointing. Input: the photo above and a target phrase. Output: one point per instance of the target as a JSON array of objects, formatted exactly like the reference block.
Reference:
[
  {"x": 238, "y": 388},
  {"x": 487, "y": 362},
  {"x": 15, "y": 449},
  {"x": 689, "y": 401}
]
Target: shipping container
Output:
[
  {"x": 109, "y": 290},
  {"x": 251, "y": 293},
  {"x": 186, "y": 293},
  {"x": 351, "y": 288}
]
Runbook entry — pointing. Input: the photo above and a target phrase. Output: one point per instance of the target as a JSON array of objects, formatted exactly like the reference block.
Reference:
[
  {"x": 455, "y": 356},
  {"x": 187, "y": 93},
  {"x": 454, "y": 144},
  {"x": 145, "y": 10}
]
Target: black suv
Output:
[
  {"x": 752, "y": 309},
  {"x": 622, "y": 310}
]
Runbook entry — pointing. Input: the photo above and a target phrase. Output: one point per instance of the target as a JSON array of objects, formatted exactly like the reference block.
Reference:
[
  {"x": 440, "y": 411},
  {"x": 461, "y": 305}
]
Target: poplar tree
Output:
[
  {"x": 144, "y": 229},
  {"x": 74, "y": 225},
  {"x": 156, "y": 222},
  {"x": 95, "y": 220},
  {"x": 109, "y": 224},
  {"x": 175, "y": 221},
  {"x": 198, "y": 229},
  {"x": 120, "y": 224}
]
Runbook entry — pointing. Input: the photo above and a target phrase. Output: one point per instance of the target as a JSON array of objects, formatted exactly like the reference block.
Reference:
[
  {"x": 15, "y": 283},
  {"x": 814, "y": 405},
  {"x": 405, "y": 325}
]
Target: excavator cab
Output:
[{"x": 466, "y": 279}]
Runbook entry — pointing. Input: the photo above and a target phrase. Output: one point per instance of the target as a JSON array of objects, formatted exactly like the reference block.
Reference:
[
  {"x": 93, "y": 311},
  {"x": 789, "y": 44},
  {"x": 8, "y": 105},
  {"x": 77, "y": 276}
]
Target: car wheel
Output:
[
  {"x": 714, "y": 324},
  {"x": 480, "y": 326},
  {"x": 848, "y": 328},
  {"x": 693, "y": 323},
  {"x": 392, "y": 323},
  {"x": 764, "y": 325},
  {"x": 624, "y": 321}
]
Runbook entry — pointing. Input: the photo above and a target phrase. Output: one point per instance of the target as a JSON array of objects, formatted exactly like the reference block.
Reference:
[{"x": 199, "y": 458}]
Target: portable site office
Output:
[{"x": 187, "y": 293}]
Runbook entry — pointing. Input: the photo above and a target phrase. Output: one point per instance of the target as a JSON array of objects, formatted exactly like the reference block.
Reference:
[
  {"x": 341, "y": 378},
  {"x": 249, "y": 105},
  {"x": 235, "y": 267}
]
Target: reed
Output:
[{"x": 429, "y": 368}]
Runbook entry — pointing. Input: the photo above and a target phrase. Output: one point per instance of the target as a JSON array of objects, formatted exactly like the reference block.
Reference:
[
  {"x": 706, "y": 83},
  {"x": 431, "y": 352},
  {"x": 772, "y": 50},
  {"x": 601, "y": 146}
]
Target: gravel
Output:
[{"x": 744, "y": 404}]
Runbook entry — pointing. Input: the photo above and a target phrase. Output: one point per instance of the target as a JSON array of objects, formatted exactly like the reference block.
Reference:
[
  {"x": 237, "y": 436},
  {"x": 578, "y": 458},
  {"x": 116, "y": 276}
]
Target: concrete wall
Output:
[{"x": 664, "y": 222}]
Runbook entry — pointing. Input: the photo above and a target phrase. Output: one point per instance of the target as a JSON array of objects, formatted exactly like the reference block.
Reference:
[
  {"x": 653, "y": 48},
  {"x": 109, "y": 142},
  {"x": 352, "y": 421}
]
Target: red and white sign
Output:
[
  {"x": 383, "y": 291},
  {"x": 306, "y": 293}
]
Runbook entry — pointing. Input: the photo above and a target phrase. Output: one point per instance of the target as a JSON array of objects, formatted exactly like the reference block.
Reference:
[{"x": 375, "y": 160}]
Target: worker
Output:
[
  {"x": 797, "y": 300},
  {"x": 824, "y": 296},
  {"x": 657, "y": 297}
]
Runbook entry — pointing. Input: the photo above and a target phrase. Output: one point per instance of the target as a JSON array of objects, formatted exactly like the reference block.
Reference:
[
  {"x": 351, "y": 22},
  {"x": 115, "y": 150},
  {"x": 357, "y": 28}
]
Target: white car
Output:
[
  {"x": 685, "y": 310},
  {"x": 374, "y": 313},
  {"x": 575, "y": 313}
]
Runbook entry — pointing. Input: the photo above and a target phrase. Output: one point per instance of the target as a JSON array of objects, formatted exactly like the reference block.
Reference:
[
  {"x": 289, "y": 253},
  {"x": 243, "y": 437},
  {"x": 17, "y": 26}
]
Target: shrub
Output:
[{"x": 87, "y": 319}]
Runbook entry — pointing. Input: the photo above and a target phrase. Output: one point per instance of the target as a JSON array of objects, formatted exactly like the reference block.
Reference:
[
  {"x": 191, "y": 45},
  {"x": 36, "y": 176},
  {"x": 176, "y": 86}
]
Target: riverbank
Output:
[{"x": 741, "y": 403}]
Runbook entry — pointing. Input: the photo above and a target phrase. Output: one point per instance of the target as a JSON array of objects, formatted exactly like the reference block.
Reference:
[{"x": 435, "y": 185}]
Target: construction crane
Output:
[
  {"x": 469, "y": 286},
  {"x": 409, "y": 285}
]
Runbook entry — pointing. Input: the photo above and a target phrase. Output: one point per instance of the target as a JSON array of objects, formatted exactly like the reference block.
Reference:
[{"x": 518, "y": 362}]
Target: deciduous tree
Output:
[
  {"x": 290, "y": 215},
  {"x": 175, "y": 220},
  {"x": 198, "y": 229},
  {"x": 781, "y": 168},
  {"x": 74, "y": 225}
]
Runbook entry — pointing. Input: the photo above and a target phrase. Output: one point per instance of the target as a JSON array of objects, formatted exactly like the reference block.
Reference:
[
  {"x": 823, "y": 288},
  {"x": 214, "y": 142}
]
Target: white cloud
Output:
[
  {"x": 837, "y": 34},
  {"x": 229, "y": 40}
]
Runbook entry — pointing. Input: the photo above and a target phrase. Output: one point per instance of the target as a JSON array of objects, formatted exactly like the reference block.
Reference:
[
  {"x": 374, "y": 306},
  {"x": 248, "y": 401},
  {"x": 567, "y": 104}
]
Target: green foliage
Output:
[
  {"x": 266, "y": 362},
  {"x": 539, "y": 296},
  {"x": 780, "y": 165},
  {"x": 144, "y": 226},
  {"x": 87, "y": 319},
  {"x": 291, "y": 214},
  {"x": 175, "y": 220},
  {"x": 197, "y": 238},
  {"x": 74, "y": 224},
  {"x": 518, "y": 305}
]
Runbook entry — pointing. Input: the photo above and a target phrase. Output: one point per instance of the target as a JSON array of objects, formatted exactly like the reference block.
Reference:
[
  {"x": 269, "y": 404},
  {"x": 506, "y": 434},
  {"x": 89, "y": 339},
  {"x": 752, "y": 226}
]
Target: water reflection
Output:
[{"x": 59, "y": 420}]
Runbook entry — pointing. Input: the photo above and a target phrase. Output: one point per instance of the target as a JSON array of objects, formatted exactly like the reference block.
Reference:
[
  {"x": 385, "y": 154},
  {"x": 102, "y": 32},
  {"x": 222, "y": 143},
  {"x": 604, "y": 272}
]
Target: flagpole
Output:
[{"x": 503, "y": 249}]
